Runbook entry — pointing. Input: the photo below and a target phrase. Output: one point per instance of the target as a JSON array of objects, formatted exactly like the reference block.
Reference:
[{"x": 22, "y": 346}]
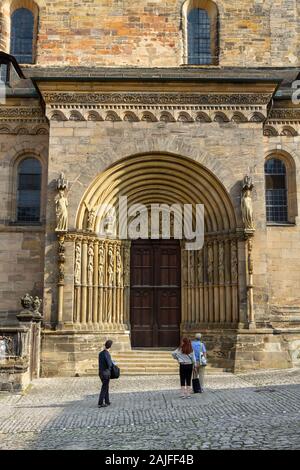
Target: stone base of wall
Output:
[
  {"x": 14, "y": 375},
  {"x": 66, "y": 354},
  {"x": 243, "y": 349}
]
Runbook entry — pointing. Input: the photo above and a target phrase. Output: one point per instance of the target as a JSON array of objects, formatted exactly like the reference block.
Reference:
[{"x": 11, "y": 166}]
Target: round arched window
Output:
[
  {"x": 21, "y": 36},
  {"x": 276, "y": 191},
  {"x": 29, "y": 190}
]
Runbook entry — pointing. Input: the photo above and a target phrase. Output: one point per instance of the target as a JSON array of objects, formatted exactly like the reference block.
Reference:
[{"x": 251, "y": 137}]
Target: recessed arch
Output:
[{"x": 160, "y": 179}]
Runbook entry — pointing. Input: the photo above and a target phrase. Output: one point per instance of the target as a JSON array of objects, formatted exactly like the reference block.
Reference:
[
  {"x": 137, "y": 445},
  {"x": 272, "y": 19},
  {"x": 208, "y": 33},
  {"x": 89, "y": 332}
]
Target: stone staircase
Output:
[{"x": 149, "y": 362}]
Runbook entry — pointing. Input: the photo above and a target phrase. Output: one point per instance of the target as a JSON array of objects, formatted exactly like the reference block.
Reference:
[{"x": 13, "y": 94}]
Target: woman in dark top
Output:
[{"x": 105, "y": 364}]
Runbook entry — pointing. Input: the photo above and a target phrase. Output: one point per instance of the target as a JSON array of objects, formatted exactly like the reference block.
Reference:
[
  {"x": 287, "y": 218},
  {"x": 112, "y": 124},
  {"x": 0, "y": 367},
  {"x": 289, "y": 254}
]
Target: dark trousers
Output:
[
  {"x": 185, "y": 372},
  {"x": 104, "y": 394}
]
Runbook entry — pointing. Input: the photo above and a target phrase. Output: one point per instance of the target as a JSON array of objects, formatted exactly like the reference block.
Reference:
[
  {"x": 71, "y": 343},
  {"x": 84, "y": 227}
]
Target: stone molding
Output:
[
  {"x": 283, "y": 122},
  {"x": 24, "y": 129},
  {"x": 153, "y": 107},
  {"x": 159, "y": 98},
  {"x": 14, "y": 113}
]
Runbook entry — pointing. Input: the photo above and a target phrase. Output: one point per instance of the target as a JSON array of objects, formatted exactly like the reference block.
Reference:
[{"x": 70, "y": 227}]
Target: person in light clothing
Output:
[
  {"x": 199, "y": 349},
  {"x": 186, "y": 359}
]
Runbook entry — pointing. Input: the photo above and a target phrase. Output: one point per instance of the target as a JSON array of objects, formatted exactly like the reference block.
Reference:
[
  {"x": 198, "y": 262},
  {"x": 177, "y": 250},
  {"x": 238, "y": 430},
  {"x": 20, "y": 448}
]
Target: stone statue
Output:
[
  {"x": 210, "y": 263},
  {"x": 110, "y": 266},
  {"x": 91, "y": 220},
  {"x": 200, "y": 267},
  {"x": 36, "y": 304},
  {"x": 246, "y": 203},
  {"x": 119, "y": 267},
  {"x": 110, "y": 222},
  {"x": 90, "y": 264},
  {"x": 61, "y": 204},
  {"x": 27, "y": 301},
  {"x": 61, "y": 207},
  {"x": 62, "y": 183},
  {"x": 234, "y": 262},
  {"x": 101, "y": 264},
  {"x": 221, "y": 263},
  {"x": 77, "y": 273}
]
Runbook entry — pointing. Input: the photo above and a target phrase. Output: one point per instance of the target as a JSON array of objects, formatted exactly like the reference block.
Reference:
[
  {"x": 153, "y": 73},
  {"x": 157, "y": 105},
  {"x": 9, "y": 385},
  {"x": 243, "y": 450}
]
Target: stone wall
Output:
[
  {"x": 21, "y": 246},
  {"x": 149, "y": 33}
]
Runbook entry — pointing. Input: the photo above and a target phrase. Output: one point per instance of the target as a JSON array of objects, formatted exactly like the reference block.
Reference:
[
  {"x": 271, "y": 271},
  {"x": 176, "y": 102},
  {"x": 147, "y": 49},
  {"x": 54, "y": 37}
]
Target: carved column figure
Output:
[
  {"x": 119, "y": 267},
  {"x": 77, "y": 270},
  {"x": 210, "y": 263},
  {"x": 221, "y": 263},
  {"x": 101, "y": 265},
  {"x": 90, "y": 264},
  {"x": 110, "y": 269},
  {"x": 251, "y": 318},
  {"x": 61, "y": 276}
]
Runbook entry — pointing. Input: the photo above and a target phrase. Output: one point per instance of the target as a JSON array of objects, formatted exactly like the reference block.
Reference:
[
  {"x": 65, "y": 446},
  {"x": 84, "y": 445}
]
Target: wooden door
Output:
[{"x": 155, "y": 293}]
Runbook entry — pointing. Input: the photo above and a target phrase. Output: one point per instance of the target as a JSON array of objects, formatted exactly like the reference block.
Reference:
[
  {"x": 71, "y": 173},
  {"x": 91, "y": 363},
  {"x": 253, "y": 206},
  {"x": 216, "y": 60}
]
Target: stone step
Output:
[{"x": 147, "y": 362}]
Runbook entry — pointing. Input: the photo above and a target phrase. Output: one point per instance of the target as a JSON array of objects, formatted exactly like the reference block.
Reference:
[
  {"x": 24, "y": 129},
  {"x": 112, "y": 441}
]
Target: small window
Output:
[
  {"x": 199, "y": 38},
  {"x": 22, "y": 30},
  {"x": 276, "y": 191},
  {"x": 29, "y": 190}
]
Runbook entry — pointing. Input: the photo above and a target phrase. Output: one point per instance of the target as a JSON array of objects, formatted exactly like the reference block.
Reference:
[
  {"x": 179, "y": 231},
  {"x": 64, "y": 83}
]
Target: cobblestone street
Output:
[{"x": 258, "y": 410}]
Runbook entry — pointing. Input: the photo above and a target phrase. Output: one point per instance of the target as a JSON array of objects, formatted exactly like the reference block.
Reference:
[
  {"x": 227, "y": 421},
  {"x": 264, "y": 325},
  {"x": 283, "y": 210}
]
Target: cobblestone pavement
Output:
[{"x": 259, "y": 410}]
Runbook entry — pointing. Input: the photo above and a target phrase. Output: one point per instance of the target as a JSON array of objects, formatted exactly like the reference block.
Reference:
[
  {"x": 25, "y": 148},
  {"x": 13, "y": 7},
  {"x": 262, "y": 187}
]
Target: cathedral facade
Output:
[{"x": 181, "y": 102}]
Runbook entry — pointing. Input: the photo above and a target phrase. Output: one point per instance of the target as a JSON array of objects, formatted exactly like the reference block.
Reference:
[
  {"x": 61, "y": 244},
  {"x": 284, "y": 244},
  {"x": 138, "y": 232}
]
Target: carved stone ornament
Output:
[{"x": 158, "y": 98}]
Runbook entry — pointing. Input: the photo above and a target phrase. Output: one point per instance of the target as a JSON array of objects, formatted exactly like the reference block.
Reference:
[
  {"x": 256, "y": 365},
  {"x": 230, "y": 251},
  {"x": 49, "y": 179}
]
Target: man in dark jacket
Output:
[{"x": 105, "y": 365}]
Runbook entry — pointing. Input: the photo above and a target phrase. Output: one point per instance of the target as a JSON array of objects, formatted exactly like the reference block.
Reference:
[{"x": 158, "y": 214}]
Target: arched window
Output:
[
  {"x": 21, "y": 37},
  {"x": 200, "y": 25},
  {"x": 199, "y": 50},
  {"x": 29, "y": 190},
  {"x": 276, "y": 191}
]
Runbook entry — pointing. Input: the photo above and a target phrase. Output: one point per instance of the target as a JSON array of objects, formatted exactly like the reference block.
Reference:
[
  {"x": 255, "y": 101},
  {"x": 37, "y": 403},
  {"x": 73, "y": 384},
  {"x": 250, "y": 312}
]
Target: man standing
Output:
[
  {"x": 199, "y": 350},
  {"x": 105, "y": 365}
]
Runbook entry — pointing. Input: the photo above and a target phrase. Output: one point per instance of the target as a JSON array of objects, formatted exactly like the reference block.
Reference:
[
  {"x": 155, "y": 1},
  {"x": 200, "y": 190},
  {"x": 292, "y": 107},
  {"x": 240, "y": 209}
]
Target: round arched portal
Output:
[{"x": 206, "y": 279}]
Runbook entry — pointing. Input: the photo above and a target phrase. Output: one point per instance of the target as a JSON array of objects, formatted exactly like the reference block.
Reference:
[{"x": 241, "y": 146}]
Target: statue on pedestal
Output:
[
  {"x": 246, "y": 203},
  {"x": 61, "y": 205}
]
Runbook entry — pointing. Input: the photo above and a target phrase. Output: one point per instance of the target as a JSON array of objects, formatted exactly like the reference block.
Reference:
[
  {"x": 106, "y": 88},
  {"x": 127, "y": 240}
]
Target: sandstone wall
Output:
[
  {"x": 21, "y": 247},
  {"x": 150, "y": 33}
]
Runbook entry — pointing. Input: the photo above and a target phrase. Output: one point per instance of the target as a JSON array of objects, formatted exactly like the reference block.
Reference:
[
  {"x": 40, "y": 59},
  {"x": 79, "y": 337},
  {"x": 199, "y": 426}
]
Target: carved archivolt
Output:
[{"x": 174, "y": 178}]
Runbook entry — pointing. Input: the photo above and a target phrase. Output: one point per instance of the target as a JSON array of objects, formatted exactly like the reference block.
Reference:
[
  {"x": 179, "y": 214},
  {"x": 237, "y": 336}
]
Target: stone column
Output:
[{"x": 251, "y": 317}]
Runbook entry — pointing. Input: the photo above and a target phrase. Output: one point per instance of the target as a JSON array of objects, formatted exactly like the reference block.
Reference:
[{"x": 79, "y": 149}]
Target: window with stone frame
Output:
[
  {"x": 29, "y": 190},
  {"x": 276, "y": 191},
  {"x": 200, "y": 29},
  {"x": 22, "y": 35}
]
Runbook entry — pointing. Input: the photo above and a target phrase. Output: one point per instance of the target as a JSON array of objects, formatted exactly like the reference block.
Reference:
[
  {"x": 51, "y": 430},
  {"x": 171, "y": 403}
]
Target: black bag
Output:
[
  {"x": 114, "y": 372},
  {"x": 196, "y": 385}
]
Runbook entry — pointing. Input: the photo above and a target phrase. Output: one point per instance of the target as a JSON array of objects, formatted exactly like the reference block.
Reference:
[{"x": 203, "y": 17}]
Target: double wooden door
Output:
[{"x": 155, "y": 305}]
